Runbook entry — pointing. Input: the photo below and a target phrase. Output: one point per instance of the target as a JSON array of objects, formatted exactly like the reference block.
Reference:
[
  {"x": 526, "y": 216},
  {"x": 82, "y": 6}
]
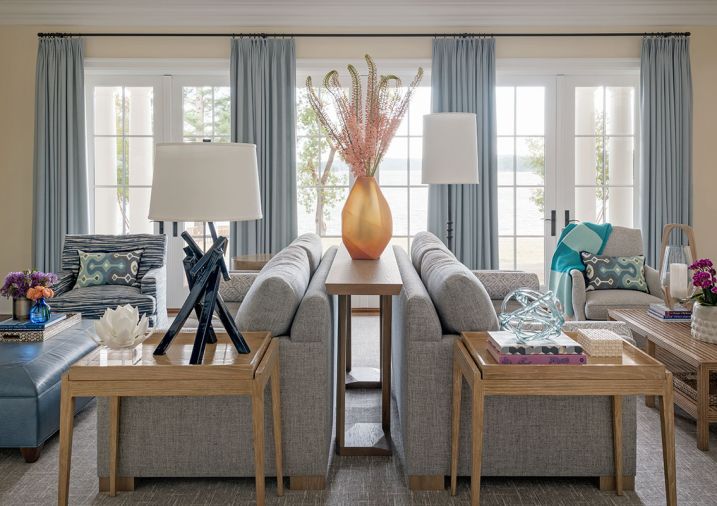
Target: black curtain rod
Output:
[{"x": 365, "y": 35}]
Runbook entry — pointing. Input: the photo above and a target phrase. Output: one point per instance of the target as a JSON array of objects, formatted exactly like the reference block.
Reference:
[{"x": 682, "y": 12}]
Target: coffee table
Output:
[
  {"x": 632, "y": 374},
  {"x": 690, "y": 361},
  {"x": 136, "y": 372}
]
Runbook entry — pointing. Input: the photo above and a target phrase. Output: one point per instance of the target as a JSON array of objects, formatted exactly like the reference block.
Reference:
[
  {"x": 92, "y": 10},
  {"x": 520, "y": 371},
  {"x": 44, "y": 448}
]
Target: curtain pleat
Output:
[
  {"x": 263, "y": 87},
  {"x": 666, "y": 130},
  {"x": 61, "y": 190},
  {"x": 463, "y": 80}
]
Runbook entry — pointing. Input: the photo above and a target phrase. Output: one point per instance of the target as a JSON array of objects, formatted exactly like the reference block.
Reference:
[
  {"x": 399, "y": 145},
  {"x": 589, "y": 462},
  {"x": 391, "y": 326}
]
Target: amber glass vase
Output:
[{"x": 366, "y": 222}]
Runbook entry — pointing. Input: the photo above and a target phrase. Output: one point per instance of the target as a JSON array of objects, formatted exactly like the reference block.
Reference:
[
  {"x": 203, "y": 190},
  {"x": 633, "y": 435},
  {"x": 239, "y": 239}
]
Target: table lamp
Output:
[
  {"x": 450, "y": 154},
  {"x": 204, "y": 182}
]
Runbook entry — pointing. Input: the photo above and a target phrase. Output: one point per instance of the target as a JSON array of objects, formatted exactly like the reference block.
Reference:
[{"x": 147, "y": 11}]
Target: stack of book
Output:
[
  {"x": 675, "y": 313},
  {"x": 560, "y": 350},
  {"x": 29, "y": 332}
]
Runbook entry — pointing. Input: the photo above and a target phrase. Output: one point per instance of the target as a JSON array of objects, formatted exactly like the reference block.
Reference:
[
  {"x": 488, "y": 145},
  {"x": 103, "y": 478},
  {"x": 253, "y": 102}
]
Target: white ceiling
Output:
[{"x": 364, "y": 14}]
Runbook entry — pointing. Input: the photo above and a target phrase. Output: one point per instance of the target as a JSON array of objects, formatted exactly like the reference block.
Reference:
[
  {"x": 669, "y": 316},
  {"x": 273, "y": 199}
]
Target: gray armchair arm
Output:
[
  {"x": 154, "y": 283},
  {"x": 238, "y": 285},
  {"x": 498, "y": 284},
  {"x": 65, "y": 282},
  {"x": 653, "y": 281},
  {"x": 578, "y": 294}
]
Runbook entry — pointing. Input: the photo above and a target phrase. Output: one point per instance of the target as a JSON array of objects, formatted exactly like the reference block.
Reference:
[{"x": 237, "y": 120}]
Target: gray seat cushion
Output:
[
  {"x": 599, "y": 302},
  {"x": 463, "y": 304},
  {"x": 275, "y": 294},
  {"x": 422, "y": 243},
  {"x": 92, "y": 301},
  {"x": 311, "y": 243}
]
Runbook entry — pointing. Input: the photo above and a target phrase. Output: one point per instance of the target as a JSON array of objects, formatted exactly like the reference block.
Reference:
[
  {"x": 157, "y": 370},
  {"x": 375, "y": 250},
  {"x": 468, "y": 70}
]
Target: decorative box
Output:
[
  {"x": 600, "y": 342},
  {"x": 36, "y": 333}
]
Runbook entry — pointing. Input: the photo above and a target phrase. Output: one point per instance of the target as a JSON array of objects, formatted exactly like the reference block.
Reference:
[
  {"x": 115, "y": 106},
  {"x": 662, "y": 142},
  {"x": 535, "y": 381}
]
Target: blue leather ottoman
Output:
[{"x": 30, "y": 376}]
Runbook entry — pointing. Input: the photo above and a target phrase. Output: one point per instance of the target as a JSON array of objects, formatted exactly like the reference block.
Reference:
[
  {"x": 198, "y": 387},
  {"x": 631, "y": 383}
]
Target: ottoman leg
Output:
[{"x": 31, "y": 454}]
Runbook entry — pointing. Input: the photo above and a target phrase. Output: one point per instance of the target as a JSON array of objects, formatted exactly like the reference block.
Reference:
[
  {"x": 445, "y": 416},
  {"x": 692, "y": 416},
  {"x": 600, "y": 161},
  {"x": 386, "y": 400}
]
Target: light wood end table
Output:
[
  {"x": 136, "y": 372},
  {"x": 635, "y": 373},
  {"x": 692, "y": 363},
  {"x": 254, "y": 262},
  {"x": 349, "y": 277}
]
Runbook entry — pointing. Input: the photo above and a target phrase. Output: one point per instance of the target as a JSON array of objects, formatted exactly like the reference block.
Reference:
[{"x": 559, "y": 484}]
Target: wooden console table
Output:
[
  {"x": 635, "y": 373},
  {"x": 349, "y": 277},
  {"x": 136, "y": 372},
  {"x": 690, "y": 361}
]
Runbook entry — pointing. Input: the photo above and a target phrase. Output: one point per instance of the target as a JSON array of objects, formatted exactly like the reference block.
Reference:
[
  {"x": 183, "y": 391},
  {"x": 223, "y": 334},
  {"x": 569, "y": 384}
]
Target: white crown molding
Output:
[{"x": 367, "y": 14}]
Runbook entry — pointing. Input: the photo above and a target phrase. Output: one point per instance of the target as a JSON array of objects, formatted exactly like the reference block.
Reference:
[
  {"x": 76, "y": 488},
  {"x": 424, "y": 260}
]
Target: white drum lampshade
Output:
[
  {"x": 205, "y": 182},
  {"x": 450, "y": 148}
]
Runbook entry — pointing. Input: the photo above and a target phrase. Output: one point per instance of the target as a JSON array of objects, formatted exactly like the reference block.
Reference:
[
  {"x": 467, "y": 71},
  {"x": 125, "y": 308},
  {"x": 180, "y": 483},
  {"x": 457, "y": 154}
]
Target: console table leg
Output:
[
  {"x": 257, "y": 415},
  {"x": 276, "y": 414},
  {"x": 114, "y": 442},
  {"x": 386, "y": 318},
  {"x": 67, "y": 411},
  {"x": 703, "y": 406},
  {"x": 667, "y": 419},
  {"x": 617, "y": 440},
  {"x": 650, "y": 399},
  {"x": 455, "y": 422},
  {"x": 477, "y": 443},
  {"x": 344, "y": 325}
]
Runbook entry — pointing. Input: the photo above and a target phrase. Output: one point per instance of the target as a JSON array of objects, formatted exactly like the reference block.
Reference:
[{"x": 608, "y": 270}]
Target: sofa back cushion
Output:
[
  {"x": 314, "y": 318},
  {"x": 422, "y": 243},
  {"x": 272, "y": 300},
  {"x": 460, "y": 298},
  {"x": 311, "y": 243}
]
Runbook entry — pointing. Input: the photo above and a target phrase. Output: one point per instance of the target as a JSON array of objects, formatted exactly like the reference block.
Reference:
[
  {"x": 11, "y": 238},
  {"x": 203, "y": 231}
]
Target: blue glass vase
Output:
[{"x": 40, "y": 311}]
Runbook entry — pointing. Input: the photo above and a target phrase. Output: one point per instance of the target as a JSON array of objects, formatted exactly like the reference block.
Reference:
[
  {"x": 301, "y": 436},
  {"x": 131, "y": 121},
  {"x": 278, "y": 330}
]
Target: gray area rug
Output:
[{"x": 366, "y": 480}]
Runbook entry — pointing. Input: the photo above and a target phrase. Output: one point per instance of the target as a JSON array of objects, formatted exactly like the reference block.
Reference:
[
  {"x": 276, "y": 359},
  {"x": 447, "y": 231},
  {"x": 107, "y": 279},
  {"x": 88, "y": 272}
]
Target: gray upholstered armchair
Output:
[
  {"x": 595, "y": 304},
  {"x": 151, "y": 295}
]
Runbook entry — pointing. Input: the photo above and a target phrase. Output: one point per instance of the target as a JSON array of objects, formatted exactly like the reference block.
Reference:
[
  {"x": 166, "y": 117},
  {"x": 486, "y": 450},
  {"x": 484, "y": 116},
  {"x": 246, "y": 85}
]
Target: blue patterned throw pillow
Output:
[
  {"x": 108, "y": 268},
  {"x": 610, "y": 273}
]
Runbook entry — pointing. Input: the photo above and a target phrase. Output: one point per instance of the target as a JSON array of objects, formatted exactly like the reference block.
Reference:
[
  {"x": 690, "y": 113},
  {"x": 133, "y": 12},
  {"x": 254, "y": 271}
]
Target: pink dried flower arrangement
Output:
[{"x": 364, "y": 127}]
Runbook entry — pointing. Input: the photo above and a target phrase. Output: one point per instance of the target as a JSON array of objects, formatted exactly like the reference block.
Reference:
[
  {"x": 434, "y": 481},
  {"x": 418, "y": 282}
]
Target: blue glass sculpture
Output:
[{"x": 538, "y": 317}]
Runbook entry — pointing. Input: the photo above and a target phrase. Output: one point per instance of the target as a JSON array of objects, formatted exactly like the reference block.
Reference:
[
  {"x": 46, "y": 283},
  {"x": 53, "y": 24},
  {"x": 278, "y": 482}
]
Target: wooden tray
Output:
[{"x": 38, "y": 336}]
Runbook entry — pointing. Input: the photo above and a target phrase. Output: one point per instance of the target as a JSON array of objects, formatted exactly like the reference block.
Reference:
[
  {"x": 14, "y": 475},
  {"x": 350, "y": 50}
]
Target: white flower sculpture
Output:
[{"x": 121, "y": 327}]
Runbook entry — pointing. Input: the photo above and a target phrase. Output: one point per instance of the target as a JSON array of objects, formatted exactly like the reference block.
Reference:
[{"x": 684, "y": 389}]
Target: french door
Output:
[{"x": 567, "y": 151}]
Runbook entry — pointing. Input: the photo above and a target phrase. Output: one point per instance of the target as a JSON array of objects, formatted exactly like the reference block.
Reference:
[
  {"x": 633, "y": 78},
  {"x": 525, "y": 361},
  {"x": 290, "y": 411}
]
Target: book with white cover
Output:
[{"x": 506, "y": 342}]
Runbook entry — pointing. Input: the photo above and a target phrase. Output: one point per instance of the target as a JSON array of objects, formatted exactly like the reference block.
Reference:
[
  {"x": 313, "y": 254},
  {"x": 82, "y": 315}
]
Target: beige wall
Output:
[{"x": 18, "y": 46}]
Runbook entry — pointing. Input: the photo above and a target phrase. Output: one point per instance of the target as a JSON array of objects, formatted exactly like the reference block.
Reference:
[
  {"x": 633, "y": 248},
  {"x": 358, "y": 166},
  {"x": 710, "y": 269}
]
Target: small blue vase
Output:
[{"x": 40, "y": 311}]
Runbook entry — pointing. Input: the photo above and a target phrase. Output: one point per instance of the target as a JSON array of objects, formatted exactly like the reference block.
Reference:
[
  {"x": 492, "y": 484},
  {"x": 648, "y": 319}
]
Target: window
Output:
[
  {"x": 324, "y": 180},
  {"x": 121, "y": 147}
]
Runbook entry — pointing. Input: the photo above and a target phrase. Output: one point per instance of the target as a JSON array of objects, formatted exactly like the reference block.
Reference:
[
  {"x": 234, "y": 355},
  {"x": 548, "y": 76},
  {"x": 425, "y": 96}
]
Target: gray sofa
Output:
[
  {"x": 524, "y": 436},
  {"x": 212, "y": 436},
  {"x": 595, "y": 304}
]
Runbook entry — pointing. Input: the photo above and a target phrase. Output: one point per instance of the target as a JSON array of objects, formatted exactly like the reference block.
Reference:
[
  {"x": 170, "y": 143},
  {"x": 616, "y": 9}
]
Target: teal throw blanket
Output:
[{"x": 576, "y": 237}]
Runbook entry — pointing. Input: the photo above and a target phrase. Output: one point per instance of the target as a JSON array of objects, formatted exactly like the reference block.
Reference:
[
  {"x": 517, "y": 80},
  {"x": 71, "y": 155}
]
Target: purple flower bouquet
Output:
[
  {"x": 17, "y": 284},
  {"x": 705, "y": 278}
]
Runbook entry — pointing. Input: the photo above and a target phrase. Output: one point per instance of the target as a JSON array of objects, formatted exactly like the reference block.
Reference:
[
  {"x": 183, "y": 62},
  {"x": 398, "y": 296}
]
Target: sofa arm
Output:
[
  {"x": 578, "y": 294},
  {"x": 154, "y": 283},
  {"x": 65, "y": 282},
  {"x": 498, "y": 284},
  {"x": 238, "y": 285},
  {"x": 653, "y": 282}
]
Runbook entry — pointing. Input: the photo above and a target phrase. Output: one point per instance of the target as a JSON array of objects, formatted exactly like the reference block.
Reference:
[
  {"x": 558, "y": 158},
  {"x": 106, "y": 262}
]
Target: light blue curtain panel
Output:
[
  {"x": 61, "y": 191},
  {"x": 463, "y": 80},
  {"x": 666, "y": 131},
  {"x": 263, "y": 88}
]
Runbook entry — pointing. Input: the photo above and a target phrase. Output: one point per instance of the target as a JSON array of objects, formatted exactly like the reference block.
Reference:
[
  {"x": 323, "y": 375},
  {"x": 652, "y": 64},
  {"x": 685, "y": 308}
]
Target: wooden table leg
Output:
[
  {"x": 667, "y": 423},
  {"x": 650, "y": 399},
  {"x": 257, "y": 418},
  {"x": 477, "y": 440},
  {"x": 114, "y": 442},
  {"x": 703, "y": 406},
  {"x": 386, "y": 316},
  {"x": 344, "y": 322},
  {"x": 455, "y": 420},
  {"x": 67, "y": 410},
  {"x": 276, "y": 413},
  {"x": 348, "y": 335},
  {"x": 617, "y": 441}
]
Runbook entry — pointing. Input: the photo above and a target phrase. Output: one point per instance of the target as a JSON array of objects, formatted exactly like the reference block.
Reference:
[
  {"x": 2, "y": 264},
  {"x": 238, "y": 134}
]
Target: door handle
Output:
[
  {"x": 552, "y": 220},
  {"x": 567, "y": 217}
]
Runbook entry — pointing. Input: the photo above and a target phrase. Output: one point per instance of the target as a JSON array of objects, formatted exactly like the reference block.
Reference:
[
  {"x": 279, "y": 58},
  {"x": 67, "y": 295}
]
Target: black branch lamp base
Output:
[{"x": 204, "y": 273}]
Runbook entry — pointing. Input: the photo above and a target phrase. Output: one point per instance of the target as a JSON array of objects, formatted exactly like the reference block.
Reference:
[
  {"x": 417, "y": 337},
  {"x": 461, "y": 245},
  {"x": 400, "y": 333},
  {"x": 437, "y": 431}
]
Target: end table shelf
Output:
[{"x": 136, "y": 372}]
